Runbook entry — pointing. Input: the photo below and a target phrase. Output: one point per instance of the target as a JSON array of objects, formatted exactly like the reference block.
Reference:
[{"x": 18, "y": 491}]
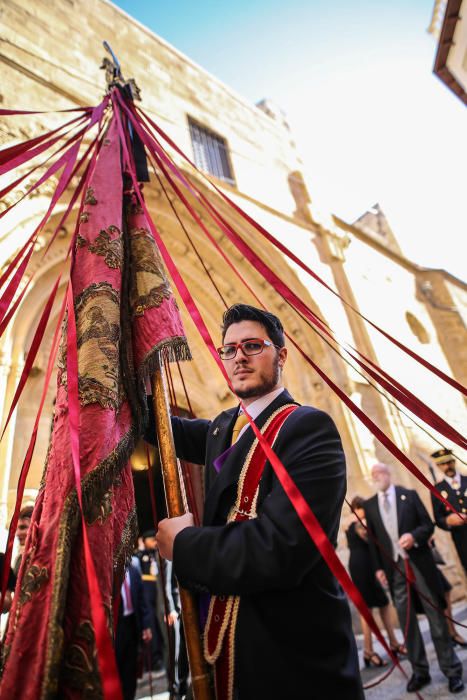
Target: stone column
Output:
[
  {"x": 331, "y": 247},
  {"x": 9, "y": 376}
]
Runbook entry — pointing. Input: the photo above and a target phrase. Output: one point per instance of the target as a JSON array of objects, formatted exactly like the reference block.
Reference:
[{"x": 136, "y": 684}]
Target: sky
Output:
[{"x": 371, "y": 121}]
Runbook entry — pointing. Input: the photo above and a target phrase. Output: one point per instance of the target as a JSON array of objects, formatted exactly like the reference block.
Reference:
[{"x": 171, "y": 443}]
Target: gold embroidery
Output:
[
  {"x": 111, "y": 249},
  {"x": 233, "y": 602},
  {"x": 127, "y": 542},
  {"x": 94, "y": 485},
  {"x": 231, "y": 643},
  {"x": 99, "y": 512},
  {"x": 80, "y": 664},
  {"x": 89, "y": 197},
  {"x": 84, "y": 217},
  {"x": 98, "y": 335},
  {"x": 80, "y": 241},
  {"x": 32, "y": 581},
  {"x": 150, "y": 285}
]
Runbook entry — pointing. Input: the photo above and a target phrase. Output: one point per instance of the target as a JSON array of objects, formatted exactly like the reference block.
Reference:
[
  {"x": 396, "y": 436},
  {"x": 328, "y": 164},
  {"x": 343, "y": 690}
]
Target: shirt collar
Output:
[
  {"x": 391, "y": 491},
  {"x": 456, "y": 478},
  {"x": 259, "y": 405}
]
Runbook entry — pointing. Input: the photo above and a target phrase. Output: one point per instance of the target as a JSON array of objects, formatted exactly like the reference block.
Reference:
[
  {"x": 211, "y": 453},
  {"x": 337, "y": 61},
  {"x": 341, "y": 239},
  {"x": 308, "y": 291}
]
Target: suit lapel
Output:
[
  {"x": 234, "y": 461},
  {"x": 400, "y": 505},
  {"x": 380, "y": 530},
  {"x": 373, "y": 502},
  {"x": 218, "y": 440}
]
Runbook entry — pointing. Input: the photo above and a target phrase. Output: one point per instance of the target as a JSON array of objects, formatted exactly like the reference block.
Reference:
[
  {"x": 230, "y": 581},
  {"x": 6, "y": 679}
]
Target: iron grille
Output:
[{"x": 211, "y": 152}]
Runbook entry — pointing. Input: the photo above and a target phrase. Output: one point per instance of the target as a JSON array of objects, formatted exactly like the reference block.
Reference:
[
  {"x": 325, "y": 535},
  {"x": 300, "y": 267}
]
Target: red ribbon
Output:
[
  {"x": 303, "y": 510},
  {"x": 291, "y": 255},
  {"x": 30, "y": 451},
  {"x": 392, "y": 386},
  {"x": 105, "y": 654}
]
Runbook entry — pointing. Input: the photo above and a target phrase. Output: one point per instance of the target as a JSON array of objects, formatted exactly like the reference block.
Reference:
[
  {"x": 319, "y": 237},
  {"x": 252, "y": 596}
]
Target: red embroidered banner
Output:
[{"x": 120, "y": 313}]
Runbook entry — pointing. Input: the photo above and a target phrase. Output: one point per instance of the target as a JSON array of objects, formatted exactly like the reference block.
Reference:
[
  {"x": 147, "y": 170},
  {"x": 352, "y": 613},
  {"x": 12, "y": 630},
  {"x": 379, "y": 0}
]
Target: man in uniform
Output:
[
  {"x": 149, "y": 575},
  {"x": 278, "y": 624},
  {"x": 454, "y": 489}
]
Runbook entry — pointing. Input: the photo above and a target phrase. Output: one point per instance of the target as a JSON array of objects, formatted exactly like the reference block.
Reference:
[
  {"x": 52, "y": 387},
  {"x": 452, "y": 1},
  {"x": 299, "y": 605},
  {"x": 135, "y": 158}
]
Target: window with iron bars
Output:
[{"x": 211, "y": 152}]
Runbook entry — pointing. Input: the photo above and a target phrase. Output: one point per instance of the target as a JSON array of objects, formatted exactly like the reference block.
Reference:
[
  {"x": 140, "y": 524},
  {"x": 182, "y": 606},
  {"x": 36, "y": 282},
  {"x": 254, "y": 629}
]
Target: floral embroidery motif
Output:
[
  {"x": 80, "y": 241},
  {"x": 110, "y": 248},
  {"x": 80, "y": 668},
  {"x": 99, "y": 512},
  {"x": 97, "y": 311},
  {"x": 32, "y": 581},
  {"x": 150, "y": 285},
  {"x": 84, "y": 217},
  {"x": 89, "y": 198}
]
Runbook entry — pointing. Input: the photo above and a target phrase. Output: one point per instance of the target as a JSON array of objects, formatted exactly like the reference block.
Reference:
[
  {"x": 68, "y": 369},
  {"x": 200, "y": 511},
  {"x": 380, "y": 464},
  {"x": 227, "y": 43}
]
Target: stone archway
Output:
[{"x": 208, "y": 393}]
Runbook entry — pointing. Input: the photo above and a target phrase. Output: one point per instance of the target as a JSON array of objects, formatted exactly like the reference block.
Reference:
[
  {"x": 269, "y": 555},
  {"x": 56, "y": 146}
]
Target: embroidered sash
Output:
[{"x": 219, "y": 633}]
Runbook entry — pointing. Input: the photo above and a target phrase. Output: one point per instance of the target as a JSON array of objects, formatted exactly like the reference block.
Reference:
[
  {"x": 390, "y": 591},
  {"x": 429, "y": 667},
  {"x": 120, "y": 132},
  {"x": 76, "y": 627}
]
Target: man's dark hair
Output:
[
  {"x": 245, "y": 312},
  {"x": 26, "y": 512},
  {"x": 357, "y": 502}
]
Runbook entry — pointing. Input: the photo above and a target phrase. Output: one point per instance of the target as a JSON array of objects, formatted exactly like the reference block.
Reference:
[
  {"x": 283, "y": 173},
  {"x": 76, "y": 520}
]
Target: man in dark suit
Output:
[
  {"x": 293, "y": 635},
  {"x": 399, "y": 523},
  {"x": 133, "y": 626},
  {"x": 454, "y": 489}
]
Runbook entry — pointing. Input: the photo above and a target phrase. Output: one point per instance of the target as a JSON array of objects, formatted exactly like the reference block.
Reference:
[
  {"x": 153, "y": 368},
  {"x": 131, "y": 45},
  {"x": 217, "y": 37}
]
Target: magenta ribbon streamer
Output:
[
  {"x": 105, "y": 653},
  {"x": 29, "y": 453},
  {"x": 404, "y": 396},
  {"x": 292, "y": 256},
  {"x": 303, "y": 510}
]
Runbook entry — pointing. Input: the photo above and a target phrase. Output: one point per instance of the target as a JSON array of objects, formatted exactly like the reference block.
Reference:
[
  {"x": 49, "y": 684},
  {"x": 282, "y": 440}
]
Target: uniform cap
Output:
[{"x": 442, "y": 456}]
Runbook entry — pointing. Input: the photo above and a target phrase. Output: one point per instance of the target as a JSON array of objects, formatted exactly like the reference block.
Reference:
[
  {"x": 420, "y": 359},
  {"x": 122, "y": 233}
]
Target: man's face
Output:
[
  {"x": 150, "y": 542},
  {"x": 381, "y": 478},
  {"x": 449, "y": 468},
  {"x": 22, "y": 530},
  {"x": 253, "y": 376}
]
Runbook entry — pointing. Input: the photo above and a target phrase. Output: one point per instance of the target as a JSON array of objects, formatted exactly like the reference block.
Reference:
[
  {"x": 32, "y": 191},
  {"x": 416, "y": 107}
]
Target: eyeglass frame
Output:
[{"x": 265, "y": 343}]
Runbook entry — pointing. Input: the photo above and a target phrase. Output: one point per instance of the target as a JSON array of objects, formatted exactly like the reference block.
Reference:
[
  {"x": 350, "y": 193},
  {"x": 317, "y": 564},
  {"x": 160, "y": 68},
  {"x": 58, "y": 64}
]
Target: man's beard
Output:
[
  {"x": 450, "y": 471},
  {"x": 268, "y": 384}
]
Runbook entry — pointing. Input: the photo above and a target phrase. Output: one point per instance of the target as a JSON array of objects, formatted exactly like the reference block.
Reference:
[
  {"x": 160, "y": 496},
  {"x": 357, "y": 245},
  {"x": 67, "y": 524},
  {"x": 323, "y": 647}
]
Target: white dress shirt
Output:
[
  {"x": 389, "y": 518},
  {"x": 258, "y": 406},
  {"x": 454, "y": 481}
]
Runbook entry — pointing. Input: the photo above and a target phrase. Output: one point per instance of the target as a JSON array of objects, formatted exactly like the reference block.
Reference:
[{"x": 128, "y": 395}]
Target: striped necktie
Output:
[{"x": 238, "y": 425}]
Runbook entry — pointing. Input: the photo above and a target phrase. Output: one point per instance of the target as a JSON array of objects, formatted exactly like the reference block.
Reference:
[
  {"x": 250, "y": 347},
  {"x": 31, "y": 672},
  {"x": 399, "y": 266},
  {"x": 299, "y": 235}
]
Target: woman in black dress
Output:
[{"x": 363, "y": 575}]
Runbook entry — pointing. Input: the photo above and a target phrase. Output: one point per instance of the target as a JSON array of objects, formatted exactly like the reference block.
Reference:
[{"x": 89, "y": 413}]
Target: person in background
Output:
[
  {"x": 454, "y": 489},
  {"x": 133, "y": 627},
  {"x": 178, "y": 665},
  {"x": 11, "y": 583},
  {"x": 398, "y": 520},
  {"x": 150, "y": 574},
  {"x": 363, "y": 575},
  {"x": 446, "y": 588},
  {"x": 24, "y": 520}
]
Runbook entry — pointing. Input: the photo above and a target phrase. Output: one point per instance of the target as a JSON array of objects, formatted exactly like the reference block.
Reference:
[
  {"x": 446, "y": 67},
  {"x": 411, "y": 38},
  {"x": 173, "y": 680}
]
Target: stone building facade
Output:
[{"x": 50, "y": 54}]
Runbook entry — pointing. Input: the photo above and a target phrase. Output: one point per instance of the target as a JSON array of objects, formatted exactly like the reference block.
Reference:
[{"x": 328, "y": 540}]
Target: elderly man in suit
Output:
[
  {"x": 288, "y": 623},
  {"x": 454, "y": 489},
  {"x": 399, "y": 530}
]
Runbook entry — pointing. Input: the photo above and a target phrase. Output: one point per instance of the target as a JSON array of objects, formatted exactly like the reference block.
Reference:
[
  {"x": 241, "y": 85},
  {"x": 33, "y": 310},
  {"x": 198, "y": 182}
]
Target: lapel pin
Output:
[
  {"x": 403, "y": 497},
  {"x": 215, "y": 431}
]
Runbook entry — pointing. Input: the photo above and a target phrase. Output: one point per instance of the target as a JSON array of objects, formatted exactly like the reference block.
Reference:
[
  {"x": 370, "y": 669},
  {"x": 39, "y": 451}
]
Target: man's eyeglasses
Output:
[{"x": 249, "y": 347}]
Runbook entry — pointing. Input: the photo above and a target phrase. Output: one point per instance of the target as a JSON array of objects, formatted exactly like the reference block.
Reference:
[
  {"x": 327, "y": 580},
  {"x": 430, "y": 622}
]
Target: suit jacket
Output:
[
  {"x": 413, "y": 517},
  {"x": 293, "y": 634},
  {"x": 140, "y": 606},
  {"x": 458, "y": 499}
]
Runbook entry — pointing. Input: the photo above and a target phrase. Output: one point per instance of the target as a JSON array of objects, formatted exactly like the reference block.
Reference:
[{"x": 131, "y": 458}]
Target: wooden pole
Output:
[{"x": 200, "y": 678}]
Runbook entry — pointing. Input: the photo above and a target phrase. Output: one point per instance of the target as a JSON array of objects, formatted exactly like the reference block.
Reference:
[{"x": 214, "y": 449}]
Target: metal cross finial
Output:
[{"x": 114, "y": 77}]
